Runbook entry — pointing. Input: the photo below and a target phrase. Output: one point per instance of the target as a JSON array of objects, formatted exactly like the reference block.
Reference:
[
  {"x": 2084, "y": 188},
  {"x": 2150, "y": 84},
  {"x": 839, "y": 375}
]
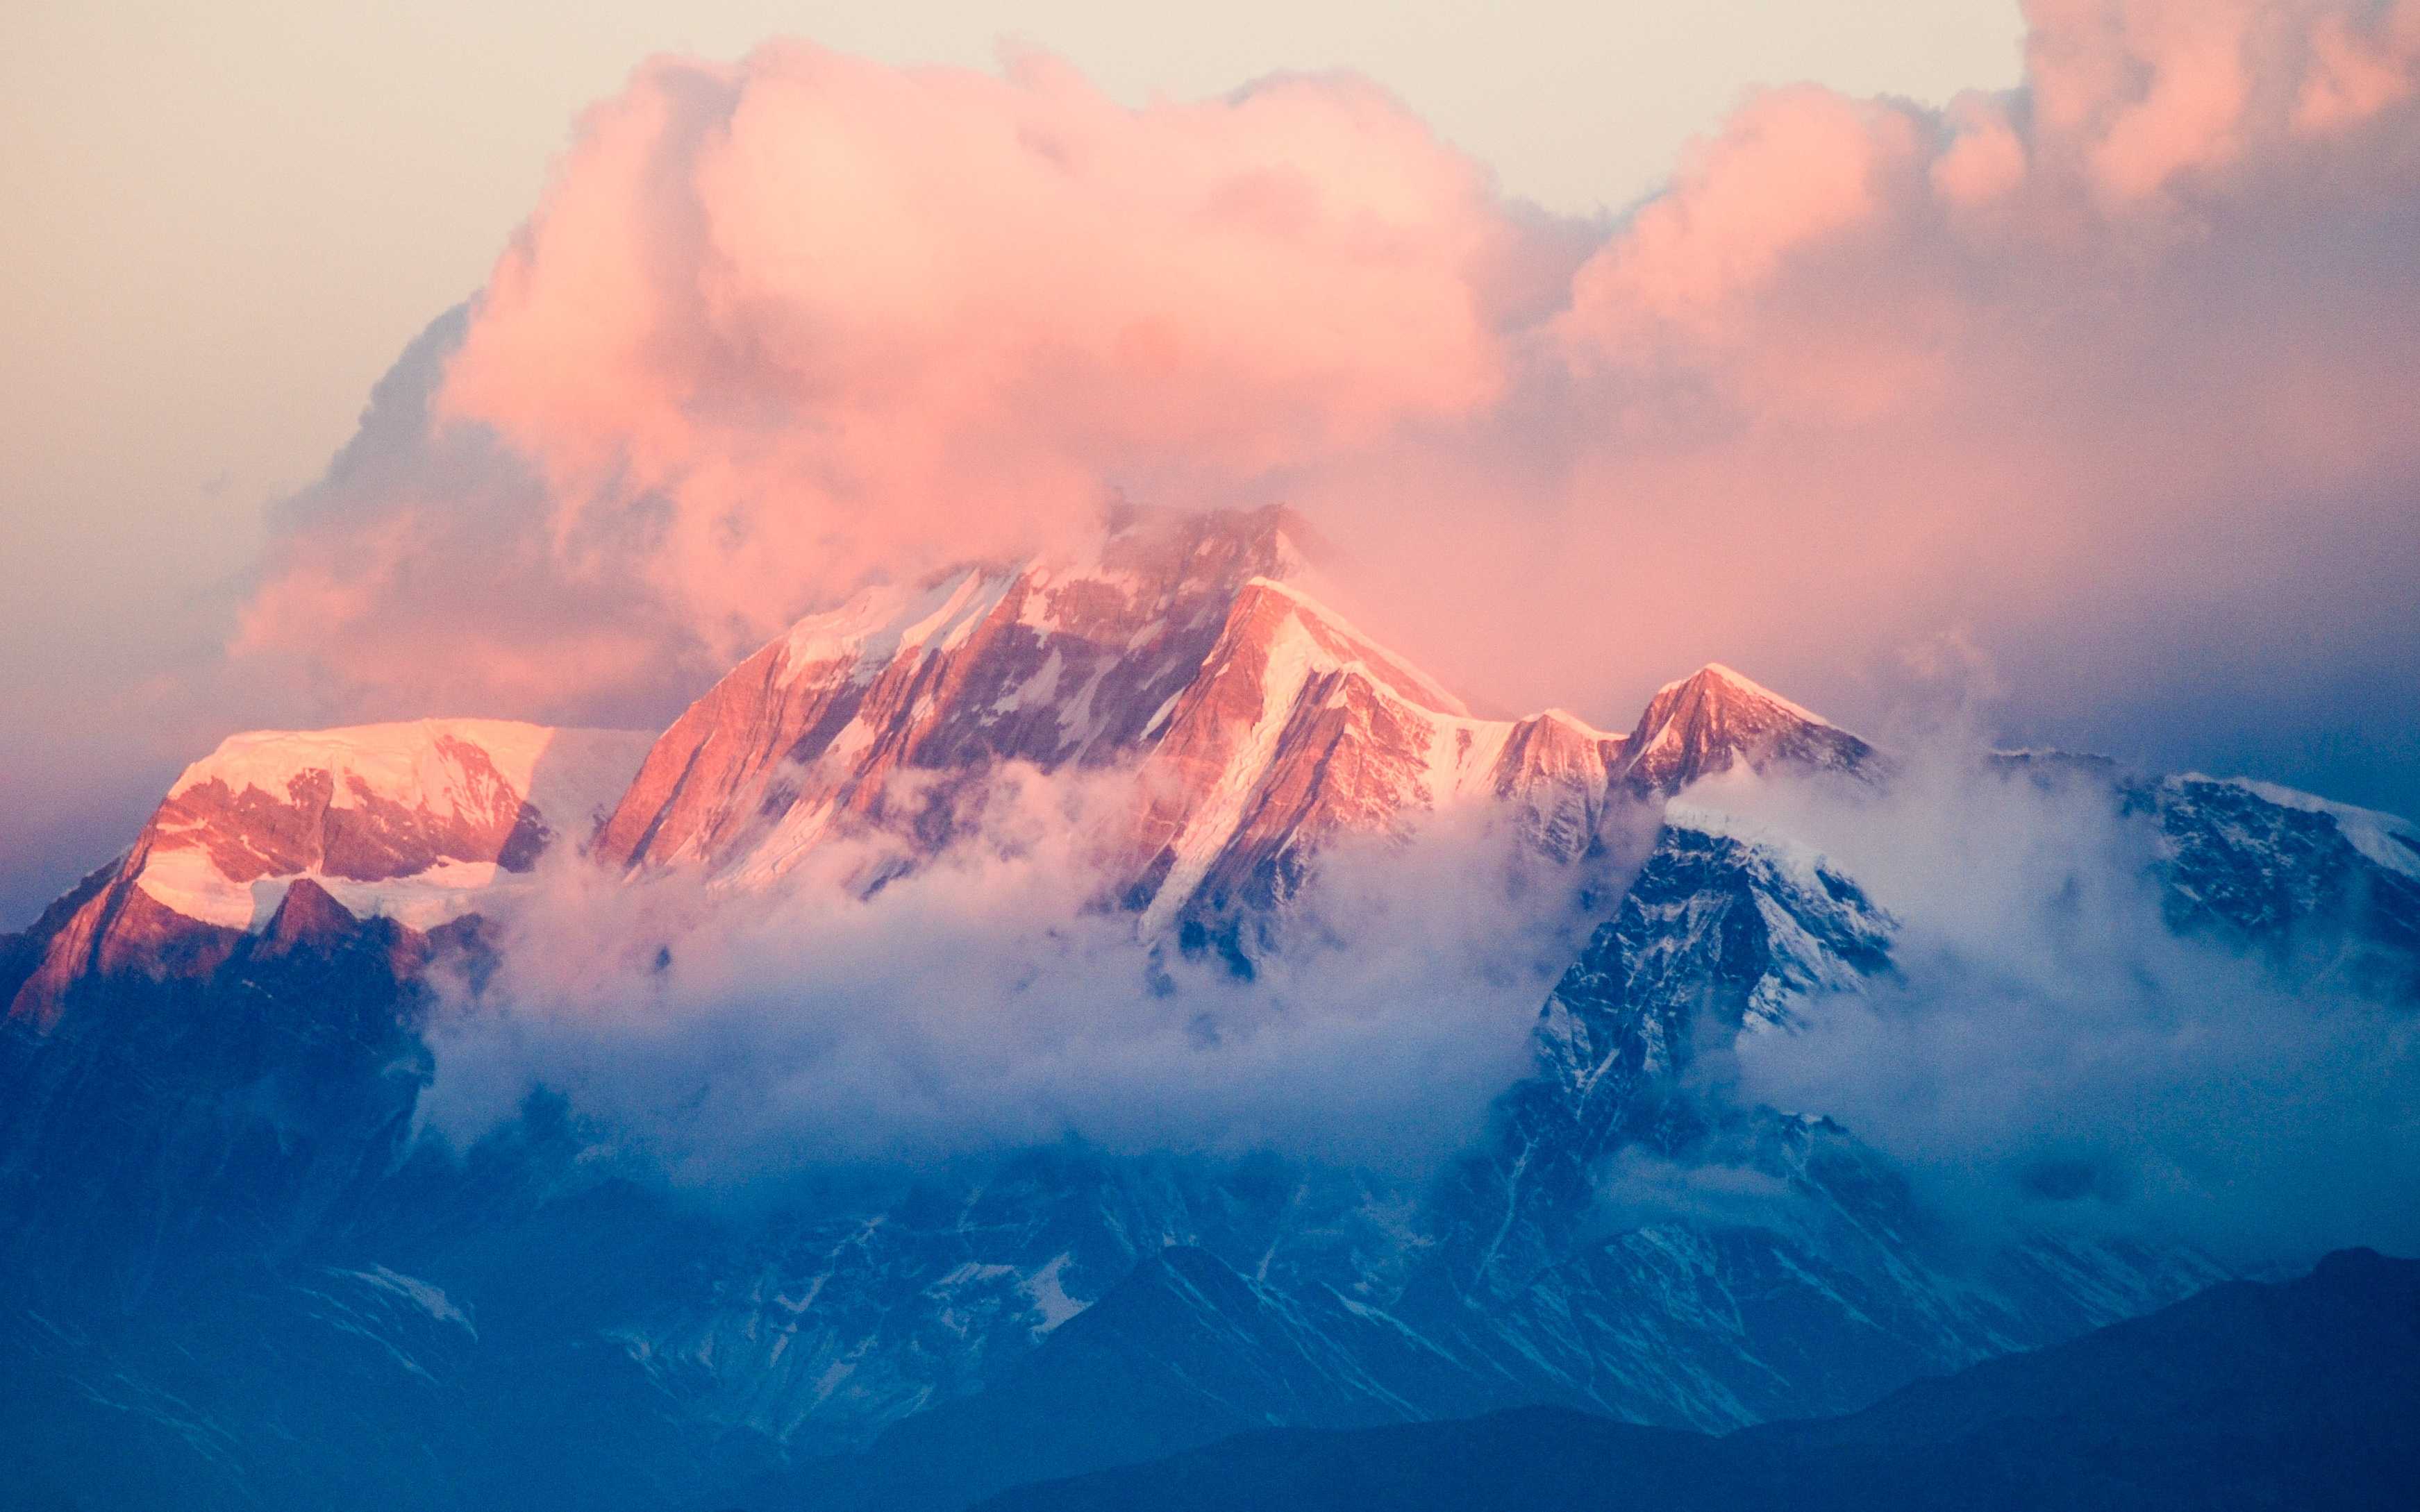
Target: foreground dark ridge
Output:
[{"x": 2300, "y": 1394}]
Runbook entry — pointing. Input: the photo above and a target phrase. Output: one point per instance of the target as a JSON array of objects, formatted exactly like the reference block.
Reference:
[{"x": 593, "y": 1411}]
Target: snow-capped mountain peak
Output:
[
  {"x": 1301, "y": 728},
  {"x": 1256, "y": 722},
  {"x": 388, "y": 817},
  {"x": 1062, "y": 660},
  {"x": 1263, "y": 722},
  {"x": 417, "y": 821},
  {"x": 1716, "y": 718}
]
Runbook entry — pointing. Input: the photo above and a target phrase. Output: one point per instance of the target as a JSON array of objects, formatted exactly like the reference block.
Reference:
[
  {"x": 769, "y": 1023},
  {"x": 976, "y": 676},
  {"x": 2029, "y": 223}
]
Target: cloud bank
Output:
[
  {"x": 2108, "y": 376},
  {"x": 2046, "y": 1053},
  {"x": 986, "y": 1001},
  {"x": 2049, "y": 1052}
]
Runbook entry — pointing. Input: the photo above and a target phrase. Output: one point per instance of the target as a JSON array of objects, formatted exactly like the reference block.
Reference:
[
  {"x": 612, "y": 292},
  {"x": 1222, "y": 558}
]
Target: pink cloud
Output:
[
  {"x": 2110, "y": 374},
  {"x": 2359, "y": 67},
  {"x": 1791, "y": 169},
  {"x": 844, "y": 317},
  {"x": 1985, "y": 159}
]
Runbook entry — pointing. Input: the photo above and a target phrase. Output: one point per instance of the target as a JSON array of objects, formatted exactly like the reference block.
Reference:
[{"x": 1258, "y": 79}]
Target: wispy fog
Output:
[
  {"x": 2051, "y": 1051},
  {"x": 990, "y": 999}
]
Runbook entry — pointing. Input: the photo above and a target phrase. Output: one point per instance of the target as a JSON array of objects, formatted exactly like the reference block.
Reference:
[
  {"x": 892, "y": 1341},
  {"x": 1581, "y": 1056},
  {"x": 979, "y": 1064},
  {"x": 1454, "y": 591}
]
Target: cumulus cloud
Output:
[
  {"x": 986, "y": 1001},
  {"x": 784, "y": 325},
  {"x": 2111, "y": 373},
  {"x": 2095, "y": 394},
  {"x": 2098, "y": 392}
]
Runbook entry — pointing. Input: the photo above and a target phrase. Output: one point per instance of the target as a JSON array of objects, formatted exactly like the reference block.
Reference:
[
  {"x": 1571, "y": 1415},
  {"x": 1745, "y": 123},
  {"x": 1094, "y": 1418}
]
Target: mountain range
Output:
[{"x": 243, "y": 1273}]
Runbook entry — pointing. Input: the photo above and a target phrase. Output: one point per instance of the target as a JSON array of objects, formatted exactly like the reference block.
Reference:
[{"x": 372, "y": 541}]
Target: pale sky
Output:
[{"x": 225, "y": 220}]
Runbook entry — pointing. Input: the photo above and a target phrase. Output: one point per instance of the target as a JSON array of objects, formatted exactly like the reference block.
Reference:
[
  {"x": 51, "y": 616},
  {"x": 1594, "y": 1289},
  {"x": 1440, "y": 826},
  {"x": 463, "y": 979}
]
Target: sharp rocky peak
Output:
[
  {"x": 309, "y": 917},
  {"x": 1069, "y": 659},
  {"x": 1716, "y": 719},
  {"x": 1264, "y": 721}
]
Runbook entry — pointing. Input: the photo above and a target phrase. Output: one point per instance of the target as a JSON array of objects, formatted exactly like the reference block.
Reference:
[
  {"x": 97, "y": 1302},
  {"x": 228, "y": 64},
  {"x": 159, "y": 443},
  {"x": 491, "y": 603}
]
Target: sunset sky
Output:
[{"x": 2055, "y": 366}]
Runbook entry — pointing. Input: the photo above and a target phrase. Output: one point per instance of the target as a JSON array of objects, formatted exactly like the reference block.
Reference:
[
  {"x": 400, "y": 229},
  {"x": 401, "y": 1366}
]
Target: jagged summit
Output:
[
  {"x": 1258, "y": 723},
  {"x": 307, "y": 918},
  {"x": 1262, "y": 721},
  {"x": 1714, "y": 679},
  {"x": 1065, "y": 660},
  {"x": 1716, "y": 718}
]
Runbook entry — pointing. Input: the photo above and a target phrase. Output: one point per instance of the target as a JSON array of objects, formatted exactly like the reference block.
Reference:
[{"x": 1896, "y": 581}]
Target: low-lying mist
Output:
[
  {"x": 2051, "y": 1050},
  {"x": 2046, "y": 1050},
  {"x": 989, "y": 998}
]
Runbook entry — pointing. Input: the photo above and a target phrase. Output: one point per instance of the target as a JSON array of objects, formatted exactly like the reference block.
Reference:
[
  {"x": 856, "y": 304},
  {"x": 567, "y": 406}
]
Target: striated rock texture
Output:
[{"x": 1059, "y": 664}]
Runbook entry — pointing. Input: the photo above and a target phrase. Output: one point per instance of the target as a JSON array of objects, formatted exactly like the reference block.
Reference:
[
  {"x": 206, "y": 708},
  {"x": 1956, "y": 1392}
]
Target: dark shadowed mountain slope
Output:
[{"x": 2300, "y": 1394}]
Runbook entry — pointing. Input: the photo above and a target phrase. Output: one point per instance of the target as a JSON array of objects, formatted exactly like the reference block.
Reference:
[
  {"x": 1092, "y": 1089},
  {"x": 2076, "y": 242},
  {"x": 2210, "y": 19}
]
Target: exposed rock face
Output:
[
  {"x": 1054, "y": 663},
  {"x": 118, "y": 930},
  {"x": 1300, "y": 728},
  {"x": 2262, "y": 863},
  {"x": 1261, "y": 723}
]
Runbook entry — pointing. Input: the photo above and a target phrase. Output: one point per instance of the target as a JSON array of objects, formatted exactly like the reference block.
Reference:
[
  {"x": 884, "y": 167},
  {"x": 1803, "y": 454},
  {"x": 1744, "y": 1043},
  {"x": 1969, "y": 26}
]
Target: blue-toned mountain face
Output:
[
  {"x": 238, "y": 1273},
  {"x": 2246, "y": 1396}
]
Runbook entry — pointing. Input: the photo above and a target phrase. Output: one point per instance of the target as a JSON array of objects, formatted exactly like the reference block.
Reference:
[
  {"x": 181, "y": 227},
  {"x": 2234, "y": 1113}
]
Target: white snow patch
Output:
[
  {"x": 884, "y": 622},
  {"x": 1384, "y": 666},
  {"x": 1035, "y": 690},
  {"x": 1049, "y": 1295},
  {"x": 429, "y": 1298}
]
